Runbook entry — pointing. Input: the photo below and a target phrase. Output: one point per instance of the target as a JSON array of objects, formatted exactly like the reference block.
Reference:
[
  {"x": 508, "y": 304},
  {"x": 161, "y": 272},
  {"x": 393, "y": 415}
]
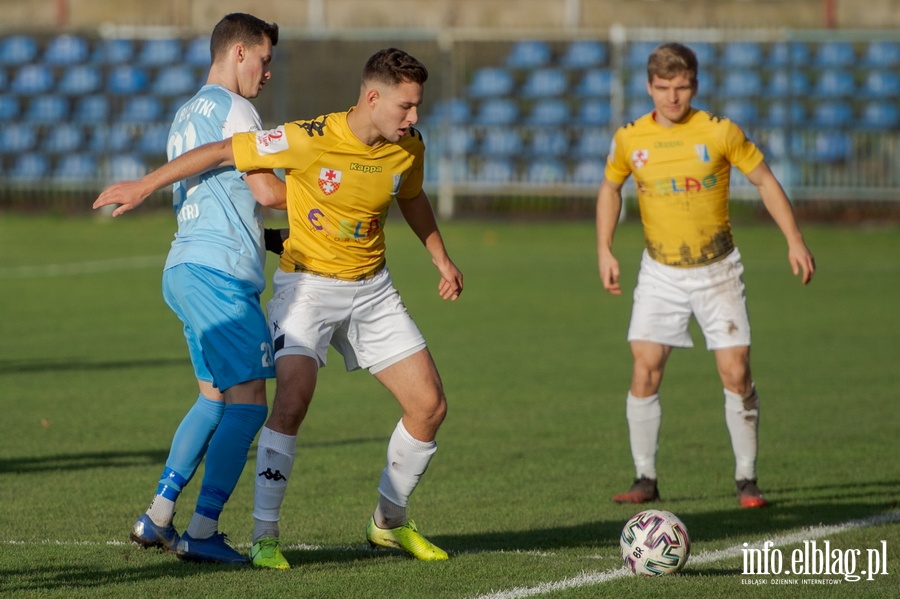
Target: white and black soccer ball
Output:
[{"x": 655, "y": 542}]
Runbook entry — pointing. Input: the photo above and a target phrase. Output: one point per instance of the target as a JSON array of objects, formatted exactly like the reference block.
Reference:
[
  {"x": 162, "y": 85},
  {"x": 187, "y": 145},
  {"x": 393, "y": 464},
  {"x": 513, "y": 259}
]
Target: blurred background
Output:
[{"x": 522, "y": 100}]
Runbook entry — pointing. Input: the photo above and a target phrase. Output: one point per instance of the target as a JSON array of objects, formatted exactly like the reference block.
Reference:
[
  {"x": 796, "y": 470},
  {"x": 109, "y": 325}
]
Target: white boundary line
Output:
[
  {"x": 80, "y": 268},
  {"x": 706, "y": 557},
  {"x": 593, "y": 578}
]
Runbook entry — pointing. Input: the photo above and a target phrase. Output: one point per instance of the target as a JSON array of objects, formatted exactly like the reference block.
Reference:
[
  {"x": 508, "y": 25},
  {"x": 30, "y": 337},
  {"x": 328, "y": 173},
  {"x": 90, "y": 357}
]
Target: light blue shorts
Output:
[{"x": 224, "y": 325}]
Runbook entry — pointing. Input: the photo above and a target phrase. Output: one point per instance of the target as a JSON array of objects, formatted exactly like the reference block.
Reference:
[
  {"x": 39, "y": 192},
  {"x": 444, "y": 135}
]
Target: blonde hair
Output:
[{"x": 668, "y": 61}]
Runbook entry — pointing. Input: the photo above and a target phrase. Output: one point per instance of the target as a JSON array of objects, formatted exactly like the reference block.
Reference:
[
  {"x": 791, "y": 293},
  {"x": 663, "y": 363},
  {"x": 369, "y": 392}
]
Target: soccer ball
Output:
[{"x": 655, "y": 542}]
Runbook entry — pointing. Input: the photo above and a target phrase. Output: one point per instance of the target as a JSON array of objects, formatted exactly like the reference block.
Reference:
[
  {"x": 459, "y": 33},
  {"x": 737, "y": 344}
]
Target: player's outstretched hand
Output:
[{"x": 126, "y": 195}]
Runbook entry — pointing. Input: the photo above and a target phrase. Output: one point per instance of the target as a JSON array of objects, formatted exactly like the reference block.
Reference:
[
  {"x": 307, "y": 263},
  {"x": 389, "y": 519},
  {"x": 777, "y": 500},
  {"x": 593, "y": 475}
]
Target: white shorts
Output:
[
  {"x": 365, "y": 321},
  {"x": 667, "y": 296}
]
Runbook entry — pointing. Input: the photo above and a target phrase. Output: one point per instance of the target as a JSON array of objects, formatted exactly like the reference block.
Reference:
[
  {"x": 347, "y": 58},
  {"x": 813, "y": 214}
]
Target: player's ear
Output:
[{"x": 372, "y": 96}]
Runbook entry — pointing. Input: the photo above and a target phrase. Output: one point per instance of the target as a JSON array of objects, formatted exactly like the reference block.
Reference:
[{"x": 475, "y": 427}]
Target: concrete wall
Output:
[{"x": 562, "y": 15}]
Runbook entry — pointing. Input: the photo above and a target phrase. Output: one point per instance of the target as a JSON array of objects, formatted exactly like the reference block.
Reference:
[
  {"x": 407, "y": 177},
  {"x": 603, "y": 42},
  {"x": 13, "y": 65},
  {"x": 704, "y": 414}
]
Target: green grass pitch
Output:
[{"x": 94, "y": 378}]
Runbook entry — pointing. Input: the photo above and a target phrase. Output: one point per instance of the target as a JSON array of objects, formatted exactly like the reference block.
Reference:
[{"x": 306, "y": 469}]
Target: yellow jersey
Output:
[
  {"x": 682, "y": 176},
  {"x": 338, "y": 191}
]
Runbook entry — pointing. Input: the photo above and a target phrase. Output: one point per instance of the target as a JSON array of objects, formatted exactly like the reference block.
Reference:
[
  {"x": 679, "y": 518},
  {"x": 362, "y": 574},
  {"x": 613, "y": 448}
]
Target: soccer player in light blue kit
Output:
[{"x": 212, "y": 280}]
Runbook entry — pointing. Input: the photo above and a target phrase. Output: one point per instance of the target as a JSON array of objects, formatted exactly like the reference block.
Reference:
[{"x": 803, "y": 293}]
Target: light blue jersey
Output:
[{"x": 219, "y": 221}]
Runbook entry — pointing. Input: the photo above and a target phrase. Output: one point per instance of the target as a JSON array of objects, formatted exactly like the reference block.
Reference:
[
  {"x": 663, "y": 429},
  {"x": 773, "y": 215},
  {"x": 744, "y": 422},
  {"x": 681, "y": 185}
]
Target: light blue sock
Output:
[
  {"x": 227, "y": 456},
  {"x": 189, "y": 445}
]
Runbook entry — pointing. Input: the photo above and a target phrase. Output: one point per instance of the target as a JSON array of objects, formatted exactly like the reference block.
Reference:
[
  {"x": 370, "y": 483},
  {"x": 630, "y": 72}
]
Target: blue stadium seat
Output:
[
  {"x": 783, "y": 114},
  {"x": 153, "y": 140},
  {"x": 9, "y": 107},
  {"x": 788, "y": 54},
  {"x": 141, "y": 109},
  {"x": 585, "y": 54},
  {"x": 743, "y": 112},
  {"x": 80, "y": 79},
  {"x": 706, "y": 82},
  {"x": 594, "y": 112},
  {"x": 453, "y": 111},
  {"x": 595, "y": 82},
  {"x": 174, "y": 80},
  {"x": 30, "y": 167},
  {"x": 741, "y": 84},
  {"x": 830, "y": 147},
  {"x": 497, "y": 111},
  {"x": 501, "y": 141},
  {"x": 705, "y": 52},
  {"x": 588, "y": 172},
  {"x": 549, "y": 112},
  {"x": 126, "y": 80},
  {"x": 544, "y": 170},
  {"x": 548, "y": 141},
  {"x": 636, "y": 85},
  {"x": 32, "y": 79},
  {"x": 491, "y": 81},
  {"x": 592, "y": 143},
  {"x": 832, "y": 114},
  {"x": 742, "y": 55},
  {"x": 117, "y": 138},
  {"x": 91, "y": 109},
  {"x": 545, "y": 82},
  {"x": 835, "y": 53},
  {"x": 881, "y": 53},
  {"x": 638, "y": 108},
  {"x": 158, "y": 52},
  {"x": 113, "y": 51},
  {"x": 65, "y": 50},
  {"x": 75, "y": 167},
  {"x": 496, "y": 170},
  {"x": 16, "y": 138},
  {"x": 50, "y": 108},
  {"x": 457, "y": 141},
  {"x": 637, "y": 53},
  {"x": 834, "y": 83},
  {"x": 64, "y": 138},
  {"x": 881, "y": 83},
  {"x": 197, "y": 52},
  {"x": 17, "y": 49},
  {"x": 787, "y": 83},
  {"x": 880, "y": 115},
  {"x": 528, "y": 54},
  {"x": 126, "y": 167}
]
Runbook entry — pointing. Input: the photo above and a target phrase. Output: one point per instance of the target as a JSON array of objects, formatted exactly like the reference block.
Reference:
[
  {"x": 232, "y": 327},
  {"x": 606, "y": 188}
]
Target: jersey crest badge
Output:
[
  {"x": 640, "y": 158},
  {"x": 702, "y": 152},
  {"x": 329, "y": 180}
]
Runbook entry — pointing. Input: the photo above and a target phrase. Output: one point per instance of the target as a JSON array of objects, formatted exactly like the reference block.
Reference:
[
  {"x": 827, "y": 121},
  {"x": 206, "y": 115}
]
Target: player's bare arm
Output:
[
  {"x": 779, "y": 207},
  {"x": 128, "y": 195},
  {"x": 420, "y": 218},
  {"x": 609, "y": 205},
  {"x": 267, "y": 188}
]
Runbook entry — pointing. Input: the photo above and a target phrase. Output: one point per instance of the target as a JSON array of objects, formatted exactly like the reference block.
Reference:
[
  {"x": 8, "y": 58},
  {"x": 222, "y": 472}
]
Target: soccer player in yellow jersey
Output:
[
  {"x": 681, "y": 159},
  {"x": 343, "y": 170}
]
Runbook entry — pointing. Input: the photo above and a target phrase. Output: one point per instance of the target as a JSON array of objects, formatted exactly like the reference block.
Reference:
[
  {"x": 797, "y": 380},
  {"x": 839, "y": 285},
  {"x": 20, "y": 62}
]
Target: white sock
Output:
[
  {"x": 161, "y": 510},
  {"x": 202, "y": 527},
  {"x": 407, "y": 460},
  {"x": 644, "y": 419},
  {"x": 274, "y": 463},
  {"x": 742, "y": 419}
]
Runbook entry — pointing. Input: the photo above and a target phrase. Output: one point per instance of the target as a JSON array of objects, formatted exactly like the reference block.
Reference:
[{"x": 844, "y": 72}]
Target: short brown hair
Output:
[
  {"x": 393, "y": 67},
  {"x": 668, "y": 61},
  {"x": 242, "y": 28}
]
